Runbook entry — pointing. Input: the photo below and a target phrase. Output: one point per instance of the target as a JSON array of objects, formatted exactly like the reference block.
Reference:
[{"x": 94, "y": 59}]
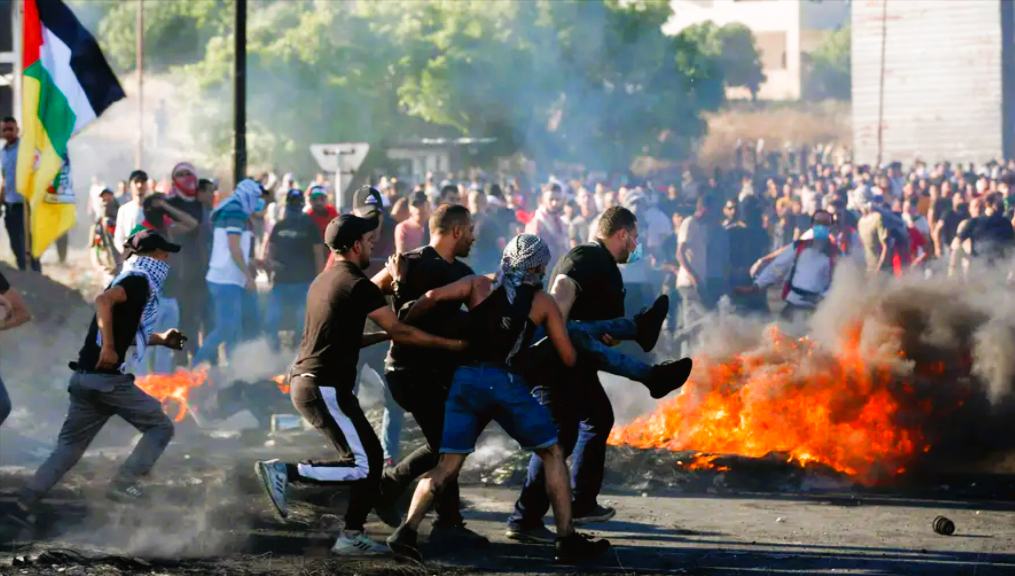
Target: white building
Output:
[{"x": 783, "y": 30}]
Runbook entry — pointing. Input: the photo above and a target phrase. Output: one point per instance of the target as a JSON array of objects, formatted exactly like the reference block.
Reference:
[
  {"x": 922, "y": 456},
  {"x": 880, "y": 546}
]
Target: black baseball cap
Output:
[
  {"x": 346, "y": 230},
  {"x": 147, "y": 241},
  {"x": 294, "y": 196},
  {"x": 138, "y": 175},
  {"x": 418, "y": 198},
  {"x": 368, "y": 202}
]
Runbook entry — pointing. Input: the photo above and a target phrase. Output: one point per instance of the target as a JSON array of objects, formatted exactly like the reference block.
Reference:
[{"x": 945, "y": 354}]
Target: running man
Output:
[
  {"x": 504, "y": 314},
  {"x": 101, "y": 385},
  {"x": 323, "y": 377}
]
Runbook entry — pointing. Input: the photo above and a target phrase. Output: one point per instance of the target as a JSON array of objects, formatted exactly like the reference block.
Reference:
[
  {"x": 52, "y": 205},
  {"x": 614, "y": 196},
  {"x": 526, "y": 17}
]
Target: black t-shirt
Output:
[
  {"x": 427, "y": 270},
  {"x": 293, "y": 240},
  {"x": 191, "y": 265},
  {"x": 600, "y": 285},
  {"x": 126, "y": 321},
  {"x": 951, "y": 220},
  {"x": 338, "y": 303},
  {"x": 4, "y": 285}
]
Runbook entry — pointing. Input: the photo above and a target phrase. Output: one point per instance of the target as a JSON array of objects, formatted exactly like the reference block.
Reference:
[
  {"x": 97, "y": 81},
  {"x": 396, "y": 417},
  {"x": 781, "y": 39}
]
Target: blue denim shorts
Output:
[{"x": 484, "y": 392}]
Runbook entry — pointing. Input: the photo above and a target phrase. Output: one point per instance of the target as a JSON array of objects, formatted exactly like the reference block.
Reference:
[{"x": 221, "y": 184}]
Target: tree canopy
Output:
[
  {"x": 829, "y": 74},
  {"x": 594, "y": 82},
  {"x": 733, "y": 49}
]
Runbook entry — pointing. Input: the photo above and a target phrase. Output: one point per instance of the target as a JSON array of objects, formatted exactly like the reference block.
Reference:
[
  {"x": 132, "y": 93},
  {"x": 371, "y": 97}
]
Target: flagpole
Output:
[
  {"x": 139, "y": 153},
  {"x": 17, "y": 33}
]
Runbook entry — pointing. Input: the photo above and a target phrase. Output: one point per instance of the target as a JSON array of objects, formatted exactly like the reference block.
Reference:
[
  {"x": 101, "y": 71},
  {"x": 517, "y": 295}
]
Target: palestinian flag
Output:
[{"x": 66, "y": 83}]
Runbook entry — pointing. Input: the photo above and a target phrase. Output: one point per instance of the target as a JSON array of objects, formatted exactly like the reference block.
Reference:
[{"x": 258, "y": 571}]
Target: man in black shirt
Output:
[
  {"x": 13, "y": 313},
  {"x": 419, "y": 379},
  {"x": 324, "y": 374},
  {"x": 587, "y": 286},
  {"x": 101, "y": 385},
  {"x": 191, "y": 287},
  {"x": 293, "y": 255}
]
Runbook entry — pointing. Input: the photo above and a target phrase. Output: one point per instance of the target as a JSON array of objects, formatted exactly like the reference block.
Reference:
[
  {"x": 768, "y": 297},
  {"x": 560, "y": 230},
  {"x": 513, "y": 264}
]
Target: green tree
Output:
[
  {"x": 595, "y": 82},
  {"x": 828, "y": 74},
  {"x": 733, "y": 49}
]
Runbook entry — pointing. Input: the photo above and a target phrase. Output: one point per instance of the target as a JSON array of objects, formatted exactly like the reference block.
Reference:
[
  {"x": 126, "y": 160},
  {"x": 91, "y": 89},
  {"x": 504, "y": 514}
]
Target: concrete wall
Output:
[{"x": 944, "y": 89}]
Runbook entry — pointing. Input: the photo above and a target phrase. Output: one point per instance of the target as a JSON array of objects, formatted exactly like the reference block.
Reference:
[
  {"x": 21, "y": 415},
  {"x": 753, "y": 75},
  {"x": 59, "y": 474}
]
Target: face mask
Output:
[
  {"x": 638, "y": 253},
  {"x": 820, "y": 232}
]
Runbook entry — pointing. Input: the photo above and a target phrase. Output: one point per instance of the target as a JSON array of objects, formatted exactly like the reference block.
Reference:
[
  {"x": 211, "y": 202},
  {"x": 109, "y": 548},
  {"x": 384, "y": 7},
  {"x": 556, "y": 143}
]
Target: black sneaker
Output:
[
  {"x": 593, "y": 516},
  {"x": 385, "y": 510},
  {"x": 668, "y": 376},
  {"x": 403, "y": 544},
  {"x": 539, "y": 535},
  {"x": 458, "y": 534},
  {"x": 650, "y": 322},
  {"x": 122, "y": 492},
  {"x": 17, "y": 524},
  {"x": 579, "y": 547}
]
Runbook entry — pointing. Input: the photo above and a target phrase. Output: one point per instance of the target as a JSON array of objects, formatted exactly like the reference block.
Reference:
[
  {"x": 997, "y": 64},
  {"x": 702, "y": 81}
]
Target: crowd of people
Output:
[{"x": 553, "y": 278}]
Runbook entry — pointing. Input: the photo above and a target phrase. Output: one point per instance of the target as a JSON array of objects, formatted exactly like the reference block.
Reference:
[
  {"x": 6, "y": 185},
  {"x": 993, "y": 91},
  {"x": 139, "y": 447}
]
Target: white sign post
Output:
[{"x": 341, "y": 159}]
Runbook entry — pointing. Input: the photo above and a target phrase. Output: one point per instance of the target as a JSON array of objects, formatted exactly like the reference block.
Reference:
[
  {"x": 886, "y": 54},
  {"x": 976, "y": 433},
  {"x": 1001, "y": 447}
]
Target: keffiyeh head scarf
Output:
[
  {"x": 523, "y": 253},
  {"x": 245, "y": 196},
  {"x": 155, "y": 271},
  {"x": 184, "y": 186}
]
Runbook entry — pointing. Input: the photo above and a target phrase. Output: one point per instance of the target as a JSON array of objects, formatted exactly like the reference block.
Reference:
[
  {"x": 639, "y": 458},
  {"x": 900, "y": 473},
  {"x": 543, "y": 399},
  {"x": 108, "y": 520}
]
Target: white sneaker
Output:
[
  {"x": 275, "y": 481},
  {"x": 357, "y": 544}
]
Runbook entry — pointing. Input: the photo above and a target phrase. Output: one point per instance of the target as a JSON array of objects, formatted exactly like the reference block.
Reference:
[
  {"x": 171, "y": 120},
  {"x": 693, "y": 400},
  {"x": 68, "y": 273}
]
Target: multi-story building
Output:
[{"x": 783, "y": 31}]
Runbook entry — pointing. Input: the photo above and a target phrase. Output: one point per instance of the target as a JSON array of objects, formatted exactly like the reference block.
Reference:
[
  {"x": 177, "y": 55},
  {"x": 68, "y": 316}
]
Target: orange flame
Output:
[
  {"x": 703, "y": 462},
  {"x": 176, "y": 386},
  {"x": 282, "y": 386},
  {"x": 841, "y": 410}
]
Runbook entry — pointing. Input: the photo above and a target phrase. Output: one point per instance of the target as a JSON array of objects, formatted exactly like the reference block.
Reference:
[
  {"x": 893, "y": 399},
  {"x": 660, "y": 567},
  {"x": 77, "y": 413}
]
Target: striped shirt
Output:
[{"x": 229, "y": 221}]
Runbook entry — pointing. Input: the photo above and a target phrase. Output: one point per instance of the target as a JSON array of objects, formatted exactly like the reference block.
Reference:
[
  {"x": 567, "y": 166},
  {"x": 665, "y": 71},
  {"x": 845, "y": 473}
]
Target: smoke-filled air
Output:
[{"x": 436, "y": 287}]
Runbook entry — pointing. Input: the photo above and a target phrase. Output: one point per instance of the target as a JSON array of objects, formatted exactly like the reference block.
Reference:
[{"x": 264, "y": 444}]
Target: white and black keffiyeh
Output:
[
  {"x": 155, "y": 272},
  {"x": 523, "y": 253}
]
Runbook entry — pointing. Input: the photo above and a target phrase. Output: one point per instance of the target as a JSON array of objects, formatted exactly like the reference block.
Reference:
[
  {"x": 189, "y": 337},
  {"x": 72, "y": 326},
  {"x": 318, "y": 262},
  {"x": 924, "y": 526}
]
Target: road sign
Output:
[
  {"x": 347, "y": 155},
  {"x": 342, "y": 160}
]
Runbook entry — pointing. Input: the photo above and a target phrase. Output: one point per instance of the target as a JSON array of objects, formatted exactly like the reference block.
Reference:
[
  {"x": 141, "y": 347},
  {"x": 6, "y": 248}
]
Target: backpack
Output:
[{"x": 798, "y": 247}]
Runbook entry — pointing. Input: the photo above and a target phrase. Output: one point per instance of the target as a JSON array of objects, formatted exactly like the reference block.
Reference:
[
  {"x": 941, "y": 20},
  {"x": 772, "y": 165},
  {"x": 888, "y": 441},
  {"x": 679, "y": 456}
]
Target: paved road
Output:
[{"x": 746, "y": 534}]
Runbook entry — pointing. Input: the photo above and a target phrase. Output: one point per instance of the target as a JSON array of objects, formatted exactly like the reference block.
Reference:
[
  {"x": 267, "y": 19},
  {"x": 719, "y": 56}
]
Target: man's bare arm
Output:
[
  {"x": 402, "y": 333},
  {"x": 550, "y": 318},
  {"x": 564, "y": 292},
  {"x": 374, "y": 338},
  {"x": 459, "y": 291}
]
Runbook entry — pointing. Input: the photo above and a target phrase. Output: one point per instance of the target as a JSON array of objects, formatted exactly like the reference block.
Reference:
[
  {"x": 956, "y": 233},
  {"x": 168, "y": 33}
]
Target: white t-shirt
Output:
[
  {"x": 127, "y": 218},
  {"x": 692, "y": 233},
  {"x": 221, "y": 268}
]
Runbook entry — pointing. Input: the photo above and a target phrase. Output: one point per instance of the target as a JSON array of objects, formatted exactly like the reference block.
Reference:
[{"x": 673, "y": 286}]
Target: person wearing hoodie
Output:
[{"x": 231, "y": 274}]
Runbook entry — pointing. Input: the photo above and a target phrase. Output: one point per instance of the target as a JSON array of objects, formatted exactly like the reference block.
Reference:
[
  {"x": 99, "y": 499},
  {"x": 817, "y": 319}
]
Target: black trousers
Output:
[
  {"x": 337, "y": 415},
  {"x": 14, "y": 221},
  {"x": 423, "y": 392}
]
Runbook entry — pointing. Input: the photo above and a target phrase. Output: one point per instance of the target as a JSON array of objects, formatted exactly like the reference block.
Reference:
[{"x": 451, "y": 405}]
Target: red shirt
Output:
[
  {"x": 322, "y": 220},
  {"x": 917, "y": 243}
]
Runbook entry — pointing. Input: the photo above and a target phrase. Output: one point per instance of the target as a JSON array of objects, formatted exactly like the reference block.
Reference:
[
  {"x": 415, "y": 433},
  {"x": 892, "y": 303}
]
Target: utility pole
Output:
[
  {"x": 881, "y": 81},
  {"x": 139, "y": 153},
  {"x": 240, "y": 94}
]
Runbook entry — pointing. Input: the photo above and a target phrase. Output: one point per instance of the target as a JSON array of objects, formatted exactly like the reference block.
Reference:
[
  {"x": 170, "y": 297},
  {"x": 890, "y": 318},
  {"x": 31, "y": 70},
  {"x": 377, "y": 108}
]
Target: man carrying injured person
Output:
[
  {"x": 101, "y": 386},
  {"x": 324, "y": 374},
  {"x": 504, "y": 313}
]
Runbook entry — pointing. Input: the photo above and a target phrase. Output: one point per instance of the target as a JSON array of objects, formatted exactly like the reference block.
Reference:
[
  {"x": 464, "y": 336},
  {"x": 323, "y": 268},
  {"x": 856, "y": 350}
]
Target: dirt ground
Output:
[{"x": 208, "y": 516}]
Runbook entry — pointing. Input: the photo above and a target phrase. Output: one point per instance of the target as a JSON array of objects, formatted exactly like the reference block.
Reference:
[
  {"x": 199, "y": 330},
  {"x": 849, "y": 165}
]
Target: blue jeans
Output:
[
  {"x": 585, "y": 338},
  {"x": 282, "y": 294},
  {"x": 582, "y": 412},
  {"x": 161, "y": 357},
  {"x": 5, "y": 403},
  {"x": 228, "y": 302},
  {"x": 484, "y": 392}
]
